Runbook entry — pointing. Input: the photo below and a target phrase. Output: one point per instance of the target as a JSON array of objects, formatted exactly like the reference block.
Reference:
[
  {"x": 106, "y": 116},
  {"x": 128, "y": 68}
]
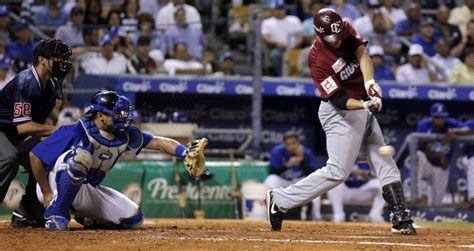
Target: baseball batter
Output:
[
  {"x": 71, "y": 164},
  {"x": 343, "y": 73}
]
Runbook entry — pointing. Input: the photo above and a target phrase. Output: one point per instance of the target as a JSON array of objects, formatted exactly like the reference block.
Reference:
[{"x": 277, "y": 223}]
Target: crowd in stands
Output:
[{"x": 409, "y": 41}]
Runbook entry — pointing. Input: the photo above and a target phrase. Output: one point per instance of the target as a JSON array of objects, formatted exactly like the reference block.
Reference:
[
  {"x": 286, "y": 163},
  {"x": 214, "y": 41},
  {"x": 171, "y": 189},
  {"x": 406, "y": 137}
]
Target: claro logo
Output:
[
  {"x": 448, "y": 94},
  {"x": 296, "y": 90},
  {"x": 411, "y": 92},
  {"x": 216, "y": 88},
  {"x": 173, "y": 88},
  {"x": 129, "y": 86},
  {"x": 471, "y": 95}
]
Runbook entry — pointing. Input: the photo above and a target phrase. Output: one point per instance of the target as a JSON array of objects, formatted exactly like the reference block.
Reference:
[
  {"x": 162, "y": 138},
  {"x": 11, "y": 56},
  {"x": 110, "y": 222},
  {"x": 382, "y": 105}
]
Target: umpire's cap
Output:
[{"x": 439, "y": 110}]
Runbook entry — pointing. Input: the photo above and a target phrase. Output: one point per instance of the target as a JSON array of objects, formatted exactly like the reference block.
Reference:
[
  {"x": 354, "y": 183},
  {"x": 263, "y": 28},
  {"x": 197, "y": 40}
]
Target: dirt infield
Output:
[{"x": 172, "y": 234}]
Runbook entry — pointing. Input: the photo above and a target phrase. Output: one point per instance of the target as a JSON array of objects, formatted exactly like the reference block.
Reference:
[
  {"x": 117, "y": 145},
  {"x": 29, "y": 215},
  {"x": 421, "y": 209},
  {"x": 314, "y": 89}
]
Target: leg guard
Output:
[
  {"x": 133, "y": 222},
  {"x": 69, "y": 182},
  {"x": 393, "y": 195}
]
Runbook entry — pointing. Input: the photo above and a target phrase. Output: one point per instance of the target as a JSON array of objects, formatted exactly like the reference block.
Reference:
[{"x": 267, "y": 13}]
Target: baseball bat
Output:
[
  {"x": 235, "y": 188},
  {"x": 181, "y": 196}
]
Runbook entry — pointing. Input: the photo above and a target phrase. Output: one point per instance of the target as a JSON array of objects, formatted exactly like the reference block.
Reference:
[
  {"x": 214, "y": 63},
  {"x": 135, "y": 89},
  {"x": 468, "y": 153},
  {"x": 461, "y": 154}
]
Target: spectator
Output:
[
  {"x": 464, "y": 73},
  {"x": 122, "y": 43},
  {"x": 396, "y": 15},
  {"x": 146, "y": 27},
  {"x": 445, "y": 29},
  {"x": 361, "y": 187},
  {"x": 183, "y": 63},
  {"x": 426, "y": 38},
  {"x": 141, "y": 62},
  {"x": 71, "y": 33},
  {"x": 4, "y": 24},
  {"x": 460, "y": 16},
  {"x": 182, "y": 32},
  {"x": 443, "y": 62},
  {"x": 290, "y": 162},
  {"x": 433, "y": 156},
  {"x": 416, "y": 71},
  {"x": 381, "y": 70},
  {"x": 23, "y": 46},
  {"x": 94, "y": 13},
  {"x": 468, "y": 162},
  {"x": 346, "y": 10},
  {"x": 308, "y": 26},
  {"x": 107, "y": 61},
  {"x": 386, "y": 38},
  {"x": 227, "y": 65},
  {"x": 5, "y": 71},
  {"x": 51, "y": 15},
  {"x": 279, "y": 33},
  {"x": 467, "y": 42},
  {"x": 129, "y": 15},
  {"x": 150, "y": 7},
  {"x": 165, "y": 18},
  {"x": 208, "y": 58},
  {"x": 113, "y": 18},
  {"x": 410, "y": 26},
  {"x": 303, "y": 68},
  {"x": 69, "y": 4},
  {"x": 364, "y": 24}
]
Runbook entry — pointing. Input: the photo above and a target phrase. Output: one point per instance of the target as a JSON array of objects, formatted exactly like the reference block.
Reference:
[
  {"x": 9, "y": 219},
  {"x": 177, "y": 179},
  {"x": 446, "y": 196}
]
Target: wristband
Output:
[
  {"x": 180, "y": 151},
  {"x": 370, "y": 82}
]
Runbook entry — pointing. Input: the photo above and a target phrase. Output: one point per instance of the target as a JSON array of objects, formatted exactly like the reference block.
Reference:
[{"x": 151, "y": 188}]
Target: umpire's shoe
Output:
[
  {"x": 33, "y": 217},
  {"x": 274, "y": 215},
  {"x": 402, "y": 223}
]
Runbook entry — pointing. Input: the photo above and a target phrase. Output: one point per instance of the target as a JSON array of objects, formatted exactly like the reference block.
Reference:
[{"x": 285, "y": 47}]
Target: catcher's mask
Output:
[{"x": 119, "y": 107}]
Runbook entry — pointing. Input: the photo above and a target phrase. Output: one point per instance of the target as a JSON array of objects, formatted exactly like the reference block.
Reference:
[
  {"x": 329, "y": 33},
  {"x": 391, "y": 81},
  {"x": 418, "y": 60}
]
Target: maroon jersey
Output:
[{"x": 333, "y": 70}]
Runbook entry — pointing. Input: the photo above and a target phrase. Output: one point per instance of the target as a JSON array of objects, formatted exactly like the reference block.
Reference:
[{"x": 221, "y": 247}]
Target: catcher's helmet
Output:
[
  {"x": 119, "y": 107},
  {"x": 329, "y": 25}
]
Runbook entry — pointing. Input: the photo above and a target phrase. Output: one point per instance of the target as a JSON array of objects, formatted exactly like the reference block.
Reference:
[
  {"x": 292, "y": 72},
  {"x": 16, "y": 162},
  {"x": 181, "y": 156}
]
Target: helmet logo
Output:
[
  {"x": 319, "y": 29},
  {"x": 326, "y": 19},
  {"x": 336, "y": 27}
]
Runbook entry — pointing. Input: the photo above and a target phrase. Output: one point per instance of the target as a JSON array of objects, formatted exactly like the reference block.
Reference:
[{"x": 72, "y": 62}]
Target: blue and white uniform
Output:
[
  {"x": 356, "y": 190},
  {"x": 281, "y": 176},
  {"x": 469, "y": 163},
  {"x": 91, "y": 199},
  {"x": 430, "y": 168}
]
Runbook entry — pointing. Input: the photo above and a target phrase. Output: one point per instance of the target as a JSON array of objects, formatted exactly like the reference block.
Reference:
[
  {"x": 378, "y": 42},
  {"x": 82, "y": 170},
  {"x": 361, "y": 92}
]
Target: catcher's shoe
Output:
[
  {"x": 56, "y": 222},
  {"x": 404, "y": 227},
  {"x": 274, "y": 215}
]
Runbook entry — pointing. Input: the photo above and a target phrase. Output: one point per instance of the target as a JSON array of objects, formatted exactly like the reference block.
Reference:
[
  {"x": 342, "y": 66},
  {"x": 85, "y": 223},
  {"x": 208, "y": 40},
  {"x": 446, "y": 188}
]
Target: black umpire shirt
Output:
[{"x": 22, "y": 100}]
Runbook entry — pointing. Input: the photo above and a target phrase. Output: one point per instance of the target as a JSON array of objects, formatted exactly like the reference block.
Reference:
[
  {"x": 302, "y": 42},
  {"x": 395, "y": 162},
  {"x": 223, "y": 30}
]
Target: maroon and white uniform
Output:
[
  {"x": 348, "y": 132},
  {"x": 335, "y": 70}
]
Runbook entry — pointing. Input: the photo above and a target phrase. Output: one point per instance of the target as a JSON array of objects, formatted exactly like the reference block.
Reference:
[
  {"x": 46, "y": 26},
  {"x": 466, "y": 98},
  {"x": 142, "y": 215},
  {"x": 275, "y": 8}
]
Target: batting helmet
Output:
[
  {"x": 119, "y": 107},
  {"x": 329, "y": 25}
]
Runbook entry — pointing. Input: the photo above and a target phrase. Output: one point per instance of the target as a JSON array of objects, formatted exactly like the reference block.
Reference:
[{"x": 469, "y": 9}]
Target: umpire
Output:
[{"x": 25, "y": 103}]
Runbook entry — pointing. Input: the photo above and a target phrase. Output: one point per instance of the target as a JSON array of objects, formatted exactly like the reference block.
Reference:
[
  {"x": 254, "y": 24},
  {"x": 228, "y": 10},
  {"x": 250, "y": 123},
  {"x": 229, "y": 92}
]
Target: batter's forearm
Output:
[
  {"x": 41, "y": 176},
  {"x": 354, "y": 104},
  {"x": 365, "y": 63},
  {"x": 35, "y": 129}
]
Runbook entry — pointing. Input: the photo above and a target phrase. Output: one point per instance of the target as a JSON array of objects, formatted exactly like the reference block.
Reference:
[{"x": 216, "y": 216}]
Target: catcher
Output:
[{"x": 71, "y": 164}]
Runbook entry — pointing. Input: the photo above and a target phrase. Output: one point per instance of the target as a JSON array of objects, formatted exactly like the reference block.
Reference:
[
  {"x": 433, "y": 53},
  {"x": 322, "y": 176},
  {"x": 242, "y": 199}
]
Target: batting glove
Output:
[
  {"x": 374, "y": 104},
  {"x": 373, "y": 89}
]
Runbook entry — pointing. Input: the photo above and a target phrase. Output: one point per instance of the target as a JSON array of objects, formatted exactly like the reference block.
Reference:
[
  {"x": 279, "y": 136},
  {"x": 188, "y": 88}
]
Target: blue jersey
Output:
[
  {"x": 355, "y": 181},
  {"x": 279, "y": 157},
  {"x": 470, "y": 148},
  {"x": 84, "y": 133},
  {"x": 22, "y": 100},
  {"x": 426, "y": 126}
]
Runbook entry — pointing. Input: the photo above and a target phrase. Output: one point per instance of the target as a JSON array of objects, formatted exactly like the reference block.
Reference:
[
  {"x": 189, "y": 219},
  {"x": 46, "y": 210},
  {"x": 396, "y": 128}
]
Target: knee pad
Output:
[
  {"x": 79, "y": 161},
  {"x": 133, "y": 222}
]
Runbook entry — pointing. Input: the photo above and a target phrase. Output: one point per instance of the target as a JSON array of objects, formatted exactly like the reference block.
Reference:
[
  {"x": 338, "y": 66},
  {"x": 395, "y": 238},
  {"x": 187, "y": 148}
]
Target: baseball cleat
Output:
[
  {"x": 57, "y": 223},
  {"x": 405, "y": 227},
  {"x": 274, "y": 215}
]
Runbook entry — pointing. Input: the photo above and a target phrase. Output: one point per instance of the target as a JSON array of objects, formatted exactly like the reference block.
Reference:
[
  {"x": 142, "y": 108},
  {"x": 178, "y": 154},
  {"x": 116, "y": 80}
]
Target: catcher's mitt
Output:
[{"x": 194, "y": 162}]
